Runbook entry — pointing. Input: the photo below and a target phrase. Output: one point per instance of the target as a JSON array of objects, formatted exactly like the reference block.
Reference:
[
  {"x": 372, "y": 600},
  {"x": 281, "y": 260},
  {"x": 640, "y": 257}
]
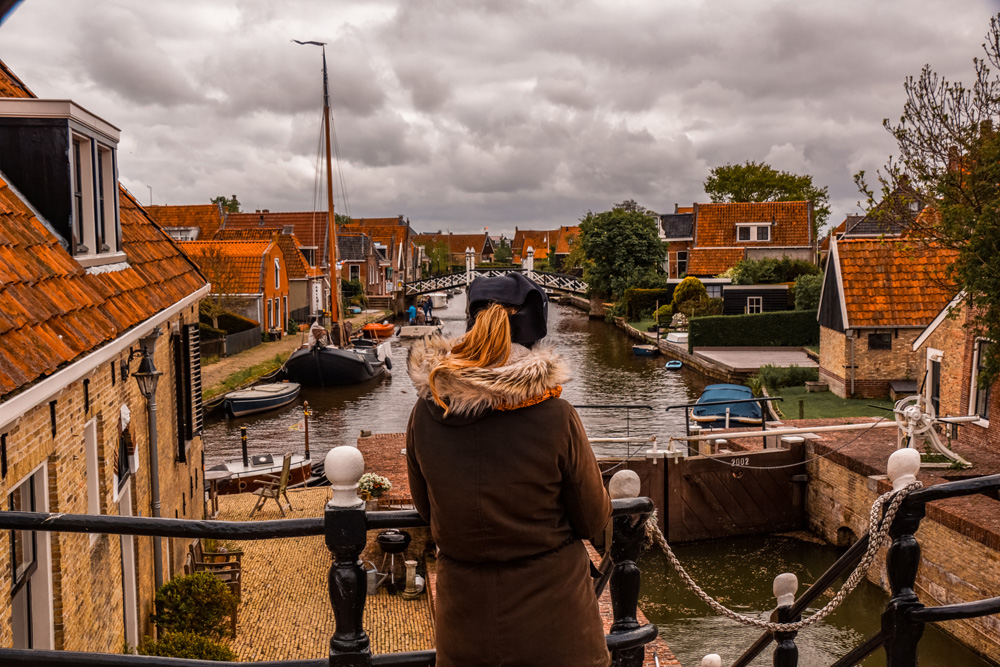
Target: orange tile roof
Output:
[
  {"x": 295, "y": 262},
  {"x": 539, "y": 240},
  {"x": 308, "y": 226},
  {"x": 52, "y": 312},
  {"x": 457, "y": 243},
  {"x": 205, "y": 217},
  {"x": 712, "y": 261},
  {"x": 684, "y": 209},
  {"x": 246, "y": 259},
  {"x": 566, "y": 240},
  {"x": 378, "y": 222},
  {"x": 887, "y": 283},
  {"x": 715, "y": 224},
  {"x": 824, "y": 245}
]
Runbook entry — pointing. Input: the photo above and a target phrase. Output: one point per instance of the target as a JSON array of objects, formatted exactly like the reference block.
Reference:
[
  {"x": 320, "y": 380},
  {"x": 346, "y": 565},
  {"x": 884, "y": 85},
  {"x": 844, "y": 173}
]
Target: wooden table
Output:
[{"x": 213, "y": 477}]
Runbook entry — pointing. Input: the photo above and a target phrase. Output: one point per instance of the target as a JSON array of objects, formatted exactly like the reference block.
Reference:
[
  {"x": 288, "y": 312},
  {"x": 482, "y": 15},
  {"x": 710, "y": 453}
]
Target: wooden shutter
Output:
[
  {"x": 187, "y": 367},
  {"x": 193, "y": 341}
]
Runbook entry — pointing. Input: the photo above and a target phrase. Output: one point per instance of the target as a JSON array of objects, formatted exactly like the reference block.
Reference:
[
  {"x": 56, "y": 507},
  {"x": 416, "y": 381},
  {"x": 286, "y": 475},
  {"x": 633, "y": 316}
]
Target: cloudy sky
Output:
[{"x": 461, "y": 115}]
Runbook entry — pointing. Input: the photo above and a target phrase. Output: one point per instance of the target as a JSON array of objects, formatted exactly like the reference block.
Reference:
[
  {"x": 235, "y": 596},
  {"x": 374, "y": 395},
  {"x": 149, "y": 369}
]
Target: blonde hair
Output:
[{"x": 485, "y": 345}]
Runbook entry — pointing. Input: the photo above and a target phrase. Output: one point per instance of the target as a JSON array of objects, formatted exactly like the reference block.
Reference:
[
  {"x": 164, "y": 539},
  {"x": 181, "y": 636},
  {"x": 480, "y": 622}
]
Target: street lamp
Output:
[{"x": 147, "y": 377}]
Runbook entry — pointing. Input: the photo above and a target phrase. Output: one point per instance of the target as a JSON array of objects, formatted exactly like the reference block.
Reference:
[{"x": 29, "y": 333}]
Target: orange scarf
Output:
[{"x": 555, "y": 392}]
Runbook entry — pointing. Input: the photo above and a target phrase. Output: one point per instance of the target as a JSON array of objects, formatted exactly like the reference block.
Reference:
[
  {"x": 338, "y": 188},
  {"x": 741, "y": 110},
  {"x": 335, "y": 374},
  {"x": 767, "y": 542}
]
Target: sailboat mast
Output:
[{"x": 331, "y": 218}]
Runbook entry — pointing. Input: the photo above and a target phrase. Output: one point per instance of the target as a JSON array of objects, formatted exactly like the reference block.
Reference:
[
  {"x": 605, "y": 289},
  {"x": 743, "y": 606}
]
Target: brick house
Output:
[
  {"x": 541, "y": 241},
  {"x": 566, "y": 239},
  {"x": 196, "y": 222},
  {"x": 360, "y": 261},
  {"x": 677, "y": 231},
  {"x": 482, "y": 245},
  {"x": 254, "y": 273},
  {"x": 85, "y": 278},
  {"x": 725, "y": 234},
  {"x": 399, "y": 241},
  {"x": 952, "y": 355},
  {"x": 877, "y": 297}
]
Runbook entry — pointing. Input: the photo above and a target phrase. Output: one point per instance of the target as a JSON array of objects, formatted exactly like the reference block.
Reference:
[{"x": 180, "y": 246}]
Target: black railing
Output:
[
  {"x": 905, "y": 616},
  {"x": 345, "y": 530}
]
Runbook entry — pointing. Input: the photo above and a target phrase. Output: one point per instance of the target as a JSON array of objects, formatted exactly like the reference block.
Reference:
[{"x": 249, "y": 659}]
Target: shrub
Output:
[
  {"x": 689, "y": 289},
  {"x": 229, "y": 322},
  {"x": 664, "y": 314},
  {"x": 755, "y": 384},
  {"x": 197, "y": 602},
  {"x": 768, "y": 271},
  {"x": 807, "y": 289},
  {"x": 186, "y": 645},
  {"x": 703, "y": 307},
  {"x": 207, "y": 332},
  {"x": 639, "y": 302},
  {"x": 782, "y": 328},
  {"x": 351, "y": 288},
  {"x": 776, "y": 377}
]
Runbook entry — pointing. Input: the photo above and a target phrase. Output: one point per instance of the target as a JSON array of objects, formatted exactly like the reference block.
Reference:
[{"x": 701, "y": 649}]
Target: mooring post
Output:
[
  {"x": 786, "y": 653},
  {"x": 346, "y": 534},
  {"x": 629, "y": 532},
  {"x": 243, "y": 446},
  {"x": 305, "y": 425},
  {"x": 902, "y": 562}
]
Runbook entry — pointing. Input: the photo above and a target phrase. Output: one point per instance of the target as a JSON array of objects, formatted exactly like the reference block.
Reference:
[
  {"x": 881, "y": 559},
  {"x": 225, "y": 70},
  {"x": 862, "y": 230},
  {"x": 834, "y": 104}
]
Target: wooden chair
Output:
[
  {"x": 227, "y": 566},
  {"x": 275, "y": 487},
  {"x": 390, "y": 502}
]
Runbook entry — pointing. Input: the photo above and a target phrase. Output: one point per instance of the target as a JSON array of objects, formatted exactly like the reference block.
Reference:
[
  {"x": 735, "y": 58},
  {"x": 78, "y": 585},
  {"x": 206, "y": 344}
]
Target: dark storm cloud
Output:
[{"x": 501, "y": 113}]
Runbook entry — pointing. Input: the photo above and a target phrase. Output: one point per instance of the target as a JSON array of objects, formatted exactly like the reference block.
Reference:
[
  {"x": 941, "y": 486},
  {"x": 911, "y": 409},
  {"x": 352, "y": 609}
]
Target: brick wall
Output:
[
  {"x": 873, "y": 369},
  {"x": 953, "y": 567},
  {"x": 832, "y": 359},
  {"x": 86, "y": 572}
]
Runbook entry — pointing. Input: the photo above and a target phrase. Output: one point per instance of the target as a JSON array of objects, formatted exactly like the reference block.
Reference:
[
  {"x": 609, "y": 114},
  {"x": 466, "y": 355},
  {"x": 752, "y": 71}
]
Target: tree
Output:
[
  {"x": 341, "y": 219},
  {"x": 229, "y": 204},
  {"x": 440, "y": 258},
  {"x": 623, "y": 249},
  {"x": 503, "y": 253},
  {"x": 224, "y": 276},
  {"x": 807, "y": 291},
  {"x": 758, "y": 181},
  {"x": 949, "y": 157}
]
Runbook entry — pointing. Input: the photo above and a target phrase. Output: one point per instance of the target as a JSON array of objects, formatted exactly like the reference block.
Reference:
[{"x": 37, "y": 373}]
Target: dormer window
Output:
[
  {"x": 63, "y": 160},
  {"x": 753, "y": 231}
]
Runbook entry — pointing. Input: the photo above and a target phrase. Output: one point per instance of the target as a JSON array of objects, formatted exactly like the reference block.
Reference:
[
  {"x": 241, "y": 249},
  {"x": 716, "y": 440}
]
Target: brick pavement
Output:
[{"x": 285, "y": 609}]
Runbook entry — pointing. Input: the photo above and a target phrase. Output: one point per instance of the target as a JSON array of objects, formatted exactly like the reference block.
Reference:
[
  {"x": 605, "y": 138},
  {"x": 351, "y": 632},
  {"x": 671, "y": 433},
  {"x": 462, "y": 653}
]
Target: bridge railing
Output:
[
  {"x": 559, "y": 281},
  {"x": 344, "y": 525}
]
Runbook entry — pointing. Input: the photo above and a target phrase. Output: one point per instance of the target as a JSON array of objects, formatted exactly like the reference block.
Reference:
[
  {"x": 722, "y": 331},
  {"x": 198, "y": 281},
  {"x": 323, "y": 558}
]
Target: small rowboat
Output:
[
  {"x": 645, "y": 350},
  {"x": 378, "y": 329},
  {"x": 260, "y": 398},
  {"x": 674, "y": 365},
  {"x": 715, "y": 416}
]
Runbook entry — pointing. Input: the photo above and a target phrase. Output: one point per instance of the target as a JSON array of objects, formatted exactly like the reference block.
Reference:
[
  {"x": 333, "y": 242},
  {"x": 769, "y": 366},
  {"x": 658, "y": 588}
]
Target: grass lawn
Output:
[
  {"x": 643, "y": 325},
  {"x": 245, "y": 376},
  {"x": 826, "y": 404}
]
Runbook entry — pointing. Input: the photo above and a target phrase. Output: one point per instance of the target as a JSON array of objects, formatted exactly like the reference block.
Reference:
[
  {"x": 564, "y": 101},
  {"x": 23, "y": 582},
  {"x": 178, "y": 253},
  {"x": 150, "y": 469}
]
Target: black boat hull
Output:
[{"x": 332, "y": 366}]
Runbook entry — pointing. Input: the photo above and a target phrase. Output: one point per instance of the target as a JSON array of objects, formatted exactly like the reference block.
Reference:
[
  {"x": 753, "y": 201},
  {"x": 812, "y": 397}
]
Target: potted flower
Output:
[{"x": 372, "y": 486}]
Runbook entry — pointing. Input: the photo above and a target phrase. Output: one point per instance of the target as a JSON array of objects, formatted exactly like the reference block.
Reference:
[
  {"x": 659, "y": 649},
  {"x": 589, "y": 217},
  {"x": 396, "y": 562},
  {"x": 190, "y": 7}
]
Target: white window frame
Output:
[
  {"x": 754, "y": 302},
  {"x": 277, "y": 273},
  {"x": 974, "y": 387},
  {"x": 753, "y": 228},
  {"x": 90, "y": 446},
  {"x": 97, "y": 166},
  {"x": 39, "y": 584}
]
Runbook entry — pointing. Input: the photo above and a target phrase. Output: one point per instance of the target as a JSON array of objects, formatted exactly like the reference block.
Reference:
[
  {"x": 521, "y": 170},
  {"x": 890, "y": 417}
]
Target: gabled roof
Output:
[
  {"x": 52, "y": 311},
  {"x": 539, "y": 240},
  {"x": 566, "y": 240},
  {"x": 890, "y": 217},
  {"x": 850, "y": 220},
  {"x": 677, "y": 225},
  {"x": 457, "y": 243},
  {"x": 244, "y": 258},
  {"x": 715, "y": 224},
  {"x": 309, "y": 227},
  {"x": 205, "y": 217},
  {"x": 889, "y": 283},
  {"x": 712, "y": 261},
  {"x": 295, "y": 262},
  {"x": 352, "y": 247}
]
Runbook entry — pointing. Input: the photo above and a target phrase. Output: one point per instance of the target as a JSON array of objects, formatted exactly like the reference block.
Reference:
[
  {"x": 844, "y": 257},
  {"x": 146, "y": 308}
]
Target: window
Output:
[
  {"x": 355, "y": 272},
  {"x": 277, "y": 273},
  {"x": 285, "y": 310},
  {"x": 682, "y": 263},
  {"x": 714, "y": 291},
  {"x": 270, "y": 313},
  {"x": 95, "y": 196},
  {"x": 30, "y": 604},
  {"x": 93, "y": 470},
  {"x": 753, "y": 231},
  {"x": 187, "y": 370},
  {"x": 763, "y": 233},
  {"x": 880, "y": 341},
  {"x": 980, "y": 397},
  {"x": 744, "y": 233},
  {"x": 755, "y": 304}
]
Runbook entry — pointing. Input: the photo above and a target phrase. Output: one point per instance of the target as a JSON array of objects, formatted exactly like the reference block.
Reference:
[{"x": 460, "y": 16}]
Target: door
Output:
[{"x": 130, "y": 597}]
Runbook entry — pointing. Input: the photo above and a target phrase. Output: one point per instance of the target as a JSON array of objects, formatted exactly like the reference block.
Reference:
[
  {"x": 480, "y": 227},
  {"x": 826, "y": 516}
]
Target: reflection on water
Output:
[
  {"x": 739, "y": 572},
  {"x": 603, "y": 368}
]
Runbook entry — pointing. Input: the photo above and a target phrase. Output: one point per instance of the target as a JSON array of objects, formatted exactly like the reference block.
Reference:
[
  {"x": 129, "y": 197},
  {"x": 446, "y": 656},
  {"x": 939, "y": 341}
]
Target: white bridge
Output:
[{"x": 553, "y": 281}]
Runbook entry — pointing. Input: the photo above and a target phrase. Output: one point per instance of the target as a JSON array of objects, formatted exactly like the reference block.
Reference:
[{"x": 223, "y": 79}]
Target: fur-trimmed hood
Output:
[{"x": 469, "y": 392}]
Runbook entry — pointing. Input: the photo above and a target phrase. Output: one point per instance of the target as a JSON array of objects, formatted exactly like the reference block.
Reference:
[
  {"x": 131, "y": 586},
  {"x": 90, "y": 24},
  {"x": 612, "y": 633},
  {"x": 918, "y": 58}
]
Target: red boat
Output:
[{"x": 378, "y": 330}]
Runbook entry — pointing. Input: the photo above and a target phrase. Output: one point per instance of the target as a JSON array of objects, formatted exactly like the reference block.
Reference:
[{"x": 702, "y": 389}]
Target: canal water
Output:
[{"x": 738, "y": 571}]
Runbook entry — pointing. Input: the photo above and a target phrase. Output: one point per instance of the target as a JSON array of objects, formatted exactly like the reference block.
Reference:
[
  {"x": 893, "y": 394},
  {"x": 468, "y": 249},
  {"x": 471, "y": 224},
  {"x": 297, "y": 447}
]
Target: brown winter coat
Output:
[{"x": 509, "y": 494}]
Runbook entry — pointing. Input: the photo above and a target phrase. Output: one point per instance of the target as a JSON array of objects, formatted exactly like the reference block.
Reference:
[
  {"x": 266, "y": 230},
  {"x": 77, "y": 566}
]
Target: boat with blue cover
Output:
[
  {"x": 645, "y": 350},
  {"x": 742, "y": 409}
]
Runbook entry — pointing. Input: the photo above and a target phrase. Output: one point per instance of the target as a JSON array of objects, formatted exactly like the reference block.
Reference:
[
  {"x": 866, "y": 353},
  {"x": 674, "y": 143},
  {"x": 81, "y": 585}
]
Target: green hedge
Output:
[
  {"x": 187, "y": 645},
  {"x": 208, "y": 333},
  {"x": 639, "y": 302},
  {"x": 229, "y": 322},
  {"x": 783, "y": 328}
]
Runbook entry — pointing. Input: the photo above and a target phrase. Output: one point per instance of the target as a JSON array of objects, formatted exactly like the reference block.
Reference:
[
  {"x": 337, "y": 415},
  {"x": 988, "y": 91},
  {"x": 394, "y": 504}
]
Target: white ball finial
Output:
[
  {"x": 711, "y": 660},
  {"x": 344, "y": 466},
  {"x": 785, "y": 587},
  {"x": 624, "y": 484},
  {"x": 904, "y": 464}
]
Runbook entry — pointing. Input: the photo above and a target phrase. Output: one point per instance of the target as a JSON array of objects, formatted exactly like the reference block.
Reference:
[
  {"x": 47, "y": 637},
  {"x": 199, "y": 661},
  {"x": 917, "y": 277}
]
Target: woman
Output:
[{"x": 502, "y": 470}]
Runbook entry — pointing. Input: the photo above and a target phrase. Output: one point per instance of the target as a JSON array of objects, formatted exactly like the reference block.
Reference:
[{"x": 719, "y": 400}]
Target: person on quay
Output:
[
  {"x": 501, "y": 469},
  {"x": 411, "y": 314},
  {"x": 428, "y": 307}
]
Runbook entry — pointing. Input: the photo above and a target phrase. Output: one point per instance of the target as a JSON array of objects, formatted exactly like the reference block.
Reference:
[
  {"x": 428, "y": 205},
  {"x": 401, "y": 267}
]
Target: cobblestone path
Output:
[{"x": 285, "y": 609}]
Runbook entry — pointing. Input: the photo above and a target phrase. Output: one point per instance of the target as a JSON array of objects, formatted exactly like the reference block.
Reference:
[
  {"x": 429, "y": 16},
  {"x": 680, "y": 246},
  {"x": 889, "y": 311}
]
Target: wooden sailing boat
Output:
[{"x": 321, "y": 362}]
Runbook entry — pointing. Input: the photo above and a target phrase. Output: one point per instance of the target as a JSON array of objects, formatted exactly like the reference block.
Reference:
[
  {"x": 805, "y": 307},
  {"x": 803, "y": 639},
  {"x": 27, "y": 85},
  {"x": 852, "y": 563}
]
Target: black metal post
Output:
[
  {"x": 786, "y": 653},
  {"x": 243, "y": 444},
  {"x": 625, "y": 581},
  {"x": 902, "y": 561},
  {"x": 345, "y": 538}
]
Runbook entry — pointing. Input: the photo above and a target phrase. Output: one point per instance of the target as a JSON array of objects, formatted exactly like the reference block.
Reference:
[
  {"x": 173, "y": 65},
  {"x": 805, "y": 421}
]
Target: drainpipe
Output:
[{"x": 852, "y": 337}]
